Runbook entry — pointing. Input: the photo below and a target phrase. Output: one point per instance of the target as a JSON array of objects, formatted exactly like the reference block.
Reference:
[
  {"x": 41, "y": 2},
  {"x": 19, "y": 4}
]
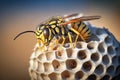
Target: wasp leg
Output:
[
  {"x": 53, "y": 44},
  {"x": 76, "y": 40},
  {"x": 39, "y": 44},
  {"x": 63, "y": 40},
  {"x": 77, "y": 33},
  {"x": 57, "y": 42},
  {"x": 70, "y": 38}
]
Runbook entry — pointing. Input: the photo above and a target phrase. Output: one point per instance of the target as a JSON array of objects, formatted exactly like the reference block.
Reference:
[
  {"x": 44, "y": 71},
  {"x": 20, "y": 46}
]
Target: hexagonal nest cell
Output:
[
  {"x": 65, "y": 74},
  {"x": 71, "y": 63},
  {"x": 92, "y": 77},
  {"x": 96, "y": 59},
  {"x": 55, "y": 64},
  {"x": 82, "y": 54},
  {"x": 79, "y": 75},
  {"x": 95, "y": 56},
  {"x": 87, "y": 66},
  {"x": 99, "y": 69}
]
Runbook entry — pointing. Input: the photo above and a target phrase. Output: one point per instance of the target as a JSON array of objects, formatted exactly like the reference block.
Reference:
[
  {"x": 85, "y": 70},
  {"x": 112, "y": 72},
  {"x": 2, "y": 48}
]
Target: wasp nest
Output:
[{"x": 97, "y": 59}]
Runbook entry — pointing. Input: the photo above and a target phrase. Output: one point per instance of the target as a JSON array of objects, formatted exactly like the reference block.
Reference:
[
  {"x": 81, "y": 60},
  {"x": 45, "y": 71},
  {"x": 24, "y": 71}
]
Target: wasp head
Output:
[{"x": 43, "y": 33}]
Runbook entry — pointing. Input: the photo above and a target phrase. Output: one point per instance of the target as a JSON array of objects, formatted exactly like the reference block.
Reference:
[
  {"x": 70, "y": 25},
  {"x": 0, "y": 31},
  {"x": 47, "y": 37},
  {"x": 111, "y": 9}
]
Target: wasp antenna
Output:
[{"x": 23, "y": 33}]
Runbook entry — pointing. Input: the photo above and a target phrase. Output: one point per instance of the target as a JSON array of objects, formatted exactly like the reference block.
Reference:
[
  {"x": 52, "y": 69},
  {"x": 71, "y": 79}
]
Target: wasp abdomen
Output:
[{"x": 83, "y": 29}]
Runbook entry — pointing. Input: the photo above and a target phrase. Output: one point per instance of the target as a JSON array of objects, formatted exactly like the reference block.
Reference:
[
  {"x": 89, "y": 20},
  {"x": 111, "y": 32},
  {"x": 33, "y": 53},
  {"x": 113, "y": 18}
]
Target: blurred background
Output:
[{"x": 20, "y": 15}]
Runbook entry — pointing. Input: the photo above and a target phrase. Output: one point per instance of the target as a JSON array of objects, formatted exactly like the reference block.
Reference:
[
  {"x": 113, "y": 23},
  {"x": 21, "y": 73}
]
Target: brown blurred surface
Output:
[{"x": 14, "y": 55}]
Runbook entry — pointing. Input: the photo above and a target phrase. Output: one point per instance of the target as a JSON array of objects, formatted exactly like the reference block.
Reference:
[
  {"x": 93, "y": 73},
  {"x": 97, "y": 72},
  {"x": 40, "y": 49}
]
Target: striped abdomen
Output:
[{"x": 83, "y": 29}]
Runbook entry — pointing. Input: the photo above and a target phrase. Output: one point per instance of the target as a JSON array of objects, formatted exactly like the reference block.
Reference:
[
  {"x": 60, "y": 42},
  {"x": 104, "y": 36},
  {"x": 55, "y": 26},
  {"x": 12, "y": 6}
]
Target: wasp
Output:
[{"x": 62, "y": 27}]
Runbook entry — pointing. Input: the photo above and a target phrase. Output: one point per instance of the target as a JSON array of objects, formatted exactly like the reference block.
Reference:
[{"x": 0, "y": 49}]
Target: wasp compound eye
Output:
[{"x": 46, "y": 32}]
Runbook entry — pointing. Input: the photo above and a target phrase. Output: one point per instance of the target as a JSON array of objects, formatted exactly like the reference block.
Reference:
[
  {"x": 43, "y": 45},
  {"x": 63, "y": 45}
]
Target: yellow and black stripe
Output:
[{"x": 81, "y": 29}]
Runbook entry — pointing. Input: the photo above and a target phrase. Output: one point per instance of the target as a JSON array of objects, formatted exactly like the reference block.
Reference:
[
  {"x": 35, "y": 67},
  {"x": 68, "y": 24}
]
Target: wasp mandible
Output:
[{"x": 62, "y": 27}]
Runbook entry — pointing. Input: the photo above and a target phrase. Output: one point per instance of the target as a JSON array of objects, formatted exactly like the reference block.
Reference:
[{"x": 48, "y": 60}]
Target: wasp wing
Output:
[
  {"x": 72, "y": 15},
  {"x": 83, "y": 18}
]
